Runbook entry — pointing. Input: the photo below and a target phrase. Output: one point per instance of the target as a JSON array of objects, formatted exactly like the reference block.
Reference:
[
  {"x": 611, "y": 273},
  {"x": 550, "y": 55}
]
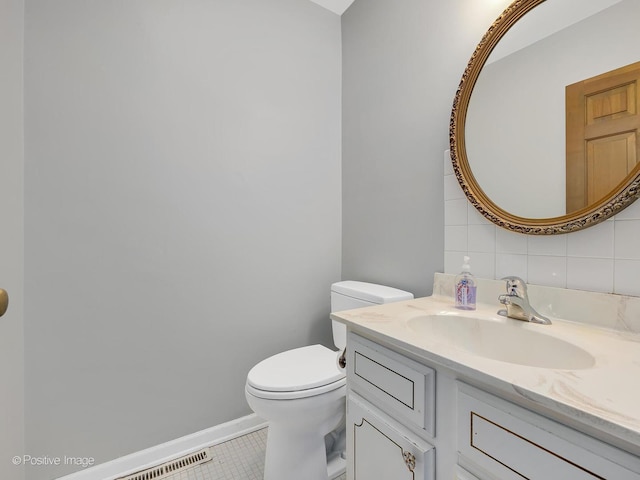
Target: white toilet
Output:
[{"x": 301, "y": 393}]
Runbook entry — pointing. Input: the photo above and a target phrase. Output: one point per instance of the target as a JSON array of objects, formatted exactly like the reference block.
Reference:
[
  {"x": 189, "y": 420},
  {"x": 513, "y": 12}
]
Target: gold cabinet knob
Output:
[
  {"x": 409, "y": 460},
  {"x": 4, "y": 301}
]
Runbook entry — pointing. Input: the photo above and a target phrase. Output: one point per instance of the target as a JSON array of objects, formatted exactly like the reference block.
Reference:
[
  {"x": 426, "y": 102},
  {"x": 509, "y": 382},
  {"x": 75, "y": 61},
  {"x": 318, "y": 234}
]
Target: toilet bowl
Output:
[{"x": 301, "y": 393}]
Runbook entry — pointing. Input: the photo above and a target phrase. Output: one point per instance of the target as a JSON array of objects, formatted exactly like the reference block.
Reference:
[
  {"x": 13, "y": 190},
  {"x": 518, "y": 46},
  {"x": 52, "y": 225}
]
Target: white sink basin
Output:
[{"x": 504, "y": 340}]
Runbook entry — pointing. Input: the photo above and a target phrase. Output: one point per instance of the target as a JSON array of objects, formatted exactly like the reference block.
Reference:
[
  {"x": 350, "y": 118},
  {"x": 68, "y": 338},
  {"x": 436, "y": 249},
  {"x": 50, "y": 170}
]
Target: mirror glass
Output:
[{"x": 514, "y": 133}]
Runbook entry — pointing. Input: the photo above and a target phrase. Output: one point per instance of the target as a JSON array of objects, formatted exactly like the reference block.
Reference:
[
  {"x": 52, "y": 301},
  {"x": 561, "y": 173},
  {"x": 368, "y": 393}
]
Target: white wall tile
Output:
[
  {"x": 453, "y": 262},
  {"x": 455, "y": 238},
  {"x": 589, "y": 259},
  {"x": 482, "y": 238},
  {"x": 510, "y": 242},
  {"x": 508, "y": 264},
  {"x": 455, "y": 212},
  {"x": 627, "y": 233},
  {"x": 482, "y": 264},
  {"x": 596, "y": 241},
  {"x": 547, "y": 245},
  {"x": 547, "y": 270},
  {"x": 592, "y": 274},
  {"x": 452, "y": 188},
  {"x": 626, "y": 276}
]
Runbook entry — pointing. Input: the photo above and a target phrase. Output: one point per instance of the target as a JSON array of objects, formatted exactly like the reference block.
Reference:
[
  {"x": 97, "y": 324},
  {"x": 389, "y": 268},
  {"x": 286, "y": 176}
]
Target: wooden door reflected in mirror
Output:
[{"x": 603, "y": 145}]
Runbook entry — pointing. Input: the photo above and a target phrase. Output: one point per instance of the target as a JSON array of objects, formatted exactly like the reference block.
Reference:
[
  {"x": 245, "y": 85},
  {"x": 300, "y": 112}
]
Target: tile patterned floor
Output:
[{"x": 239, "y": 459}]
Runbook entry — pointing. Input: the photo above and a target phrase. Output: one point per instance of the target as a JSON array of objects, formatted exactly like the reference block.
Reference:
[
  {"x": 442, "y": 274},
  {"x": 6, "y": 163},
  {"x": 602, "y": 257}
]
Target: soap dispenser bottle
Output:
[{"x": 465, "y": 285}]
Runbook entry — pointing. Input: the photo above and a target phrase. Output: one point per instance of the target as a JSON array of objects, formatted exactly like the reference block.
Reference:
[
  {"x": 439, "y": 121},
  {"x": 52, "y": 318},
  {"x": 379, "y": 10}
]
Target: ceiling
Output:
[{"x": 336, "y": 6}]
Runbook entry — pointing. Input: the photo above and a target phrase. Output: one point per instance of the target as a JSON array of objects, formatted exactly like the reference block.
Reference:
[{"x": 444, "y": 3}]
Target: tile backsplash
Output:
[
  {"x": 603, "y": 258},
  {"x": 617, "y": 312}
]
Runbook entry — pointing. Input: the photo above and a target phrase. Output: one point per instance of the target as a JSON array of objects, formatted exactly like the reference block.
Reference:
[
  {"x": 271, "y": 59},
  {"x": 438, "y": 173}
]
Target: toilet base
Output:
[
  {"x": 296, "y": 443},
  {"x": 319, "y": 464},
  {"x": 336, "y": 465},
  {"x": 292, "y": 457}
]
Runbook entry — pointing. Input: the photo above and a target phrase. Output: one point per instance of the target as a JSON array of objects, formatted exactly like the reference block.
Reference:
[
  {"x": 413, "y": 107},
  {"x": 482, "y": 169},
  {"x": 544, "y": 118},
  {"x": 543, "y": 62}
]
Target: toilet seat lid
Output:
[{"x": 294, "y": 370}]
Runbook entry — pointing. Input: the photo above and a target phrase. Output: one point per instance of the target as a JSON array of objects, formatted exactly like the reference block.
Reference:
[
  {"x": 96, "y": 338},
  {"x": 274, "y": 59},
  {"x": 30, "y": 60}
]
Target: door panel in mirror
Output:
[{"x": 603, "y": 121}]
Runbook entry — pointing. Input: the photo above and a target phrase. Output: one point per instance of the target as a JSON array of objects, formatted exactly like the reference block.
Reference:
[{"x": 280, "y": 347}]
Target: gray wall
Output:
[
  {"x": 183, "y": 165},
  {"x": 11, "y": 238},
  {"x": 402, "y": 62},
  {"x": 182, "y": 207}
]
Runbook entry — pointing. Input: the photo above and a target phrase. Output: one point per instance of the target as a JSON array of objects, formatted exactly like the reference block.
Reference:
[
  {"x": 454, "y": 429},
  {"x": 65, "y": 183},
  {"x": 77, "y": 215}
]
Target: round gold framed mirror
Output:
[{"x": 507, "y": 177}]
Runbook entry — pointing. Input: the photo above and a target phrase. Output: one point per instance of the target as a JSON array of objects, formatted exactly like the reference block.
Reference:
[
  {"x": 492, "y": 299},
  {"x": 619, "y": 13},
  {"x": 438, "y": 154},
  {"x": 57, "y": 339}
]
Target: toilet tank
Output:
[{"x": 351, "y": 294}]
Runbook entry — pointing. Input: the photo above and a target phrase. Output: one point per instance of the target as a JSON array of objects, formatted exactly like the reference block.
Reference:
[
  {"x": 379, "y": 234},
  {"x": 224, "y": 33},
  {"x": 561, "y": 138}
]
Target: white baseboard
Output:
[{"x": 153, "y": 456}]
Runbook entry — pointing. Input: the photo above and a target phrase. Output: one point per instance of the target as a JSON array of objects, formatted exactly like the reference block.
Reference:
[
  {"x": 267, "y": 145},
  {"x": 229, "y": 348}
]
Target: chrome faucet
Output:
[{"x": 517, "y": 302}]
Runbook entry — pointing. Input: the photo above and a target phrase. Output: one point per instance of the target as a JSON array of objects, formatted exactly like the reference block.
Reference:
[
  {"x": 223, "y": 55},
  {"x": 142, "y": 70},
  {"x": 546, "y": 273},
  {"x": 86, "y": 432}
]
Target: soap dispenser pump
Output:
[{"x": 465, "y": 285}]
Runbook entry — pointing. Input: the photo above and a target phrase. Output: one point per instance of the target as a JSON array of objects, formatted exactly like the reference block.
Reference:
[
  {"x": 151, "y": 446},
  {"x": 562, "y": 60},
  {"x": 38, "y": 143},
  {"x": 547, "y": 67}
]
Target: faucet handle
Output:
[{"x": 516, "y": 286}]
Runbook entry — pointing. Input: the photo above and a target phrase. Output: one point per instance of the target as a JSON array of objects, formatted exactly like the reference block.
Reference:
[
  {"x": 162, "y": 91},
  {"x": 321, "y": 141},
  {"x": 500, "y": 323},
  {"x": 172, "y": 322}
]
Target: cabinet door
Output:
[{"x": 379, "y": 448}]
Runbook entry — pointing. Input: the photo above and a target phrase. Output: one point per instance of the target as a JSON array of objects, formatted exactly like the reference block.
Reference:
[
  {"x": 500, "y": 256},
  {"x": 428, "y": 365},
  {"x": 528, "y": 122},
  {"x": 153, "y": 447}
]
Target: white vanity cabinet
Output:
[
  {"x": 399, "y": 398},
  {"x": 391, "y": 428}
]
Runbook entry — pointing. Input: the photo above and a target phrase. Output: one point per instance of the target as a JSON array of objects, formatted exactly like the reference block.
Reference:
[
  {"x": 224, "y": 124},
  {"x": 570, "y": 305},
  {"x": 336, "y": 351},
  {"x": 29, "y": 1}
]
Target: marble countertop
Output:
[{"x": 602, "y": 400}]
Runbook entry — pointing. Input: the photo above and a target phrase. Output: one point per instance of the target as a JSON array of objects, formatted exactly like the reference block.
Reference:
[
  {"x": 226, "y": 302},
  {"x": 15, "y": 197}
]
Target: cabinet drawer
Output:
[
  {"x": 513, "y": 443},
  {"x": 406, "y": 388}
]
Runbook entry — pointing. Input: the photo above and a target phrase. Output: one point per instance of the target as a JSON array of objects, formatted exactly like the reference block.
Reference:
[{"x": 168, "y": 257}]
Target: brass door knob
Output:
[{"x": 4, "y": 301}]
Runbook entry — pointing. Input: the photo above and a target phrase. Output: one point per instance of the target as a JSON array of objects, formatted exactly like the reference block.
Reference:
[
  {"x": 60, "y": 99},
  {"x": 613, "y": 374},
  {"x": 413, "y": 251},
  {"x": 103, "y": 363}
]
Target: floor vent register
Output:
[{"x": 171, "y": 467}]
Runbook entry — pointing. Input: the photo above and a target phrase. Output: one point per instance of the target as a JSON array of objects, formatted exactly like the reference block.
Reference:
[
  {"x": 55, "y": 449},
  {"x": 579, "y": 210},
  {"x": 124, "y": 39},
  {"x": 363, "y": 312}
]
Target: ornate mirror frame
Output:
[{"x": 615, "y": 202}]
